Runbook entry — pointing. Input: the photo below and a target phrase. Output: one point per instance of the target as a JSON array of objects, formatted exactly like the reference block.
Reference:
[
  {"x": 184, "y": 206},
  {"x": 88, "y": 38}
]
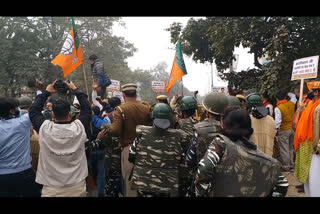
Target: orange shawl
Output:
[
  {"x": 282, "y": 101},
  {"x": 304, "y": 130}
]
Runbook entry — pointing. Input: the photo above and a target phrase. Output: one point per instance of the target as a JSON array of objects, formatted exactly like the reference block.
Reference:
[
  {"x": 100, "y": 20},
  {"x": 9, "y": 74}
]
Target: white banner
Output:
[
  {"x": 118, "y": 94},
  {"x": 158, "y": 86},
  {"x": 305, "y": 68}
]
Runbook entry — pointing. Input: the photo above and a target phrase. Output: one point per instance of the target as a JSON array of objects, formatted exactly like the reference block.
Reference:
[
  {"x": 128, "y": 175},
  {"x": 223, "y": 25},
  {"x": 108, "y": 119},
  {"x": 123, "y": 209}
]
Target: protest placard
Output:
[{"x": 158, "y": 86}]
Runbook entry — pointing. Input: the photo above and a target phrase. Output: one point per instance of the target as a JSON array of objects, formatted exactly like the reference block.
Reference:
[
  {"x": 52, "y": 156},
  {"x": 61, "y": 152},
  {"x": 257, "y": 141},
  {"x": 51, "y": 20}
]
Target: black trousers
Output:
[{"x": 20, "y": 184}]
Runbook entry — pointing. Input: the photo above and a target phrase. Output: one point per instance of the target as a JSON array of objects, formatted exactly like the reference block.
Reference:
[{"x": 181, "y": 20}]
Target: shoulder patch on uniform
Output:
[{"x": 121, "y": 111}]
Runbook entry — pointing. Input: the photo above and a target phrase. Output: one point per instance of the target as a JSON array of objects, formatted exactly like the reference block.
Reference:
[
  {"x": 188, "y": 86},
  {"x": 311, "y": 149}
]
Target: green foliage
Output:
[
  {"x": 158, "y": 73},
  {"x": 30, "y": 43},
  {"x": 284, "y": 39}
]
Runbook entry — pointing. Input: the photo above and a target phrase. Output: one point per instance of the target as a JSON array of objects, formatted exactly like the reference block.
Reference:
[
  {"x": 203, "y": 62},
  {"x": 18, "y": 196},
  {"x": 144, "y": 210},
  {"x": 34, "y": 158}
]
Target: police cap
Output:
[
  {"x": 162, "y": 97},
  {"x": 129, "y": 87}
]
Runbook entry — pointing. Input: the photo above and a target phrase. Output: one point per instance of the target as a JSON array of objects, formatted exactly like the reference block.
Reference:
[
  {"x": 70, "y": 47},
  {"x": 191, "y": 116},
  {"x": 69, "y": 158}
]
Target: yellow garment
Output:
[
  {"x": 287, "y": 112},
  {"x": 305, "y": 149},
  {"x": 304, "y": 128},
  {"x": 303, "y": 161},
  {"x": 264, "y": 131}
]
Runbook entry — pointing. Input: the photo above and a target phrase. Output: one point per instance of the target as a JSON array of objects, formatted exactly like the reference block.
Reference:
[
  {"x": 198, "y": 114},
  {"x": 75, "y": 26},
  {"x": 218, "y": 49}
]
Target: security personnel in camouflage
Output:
[
  {"x": 233, "y": 101},
  {"x": 203, "y": 133},
  {"x": 112, "y": 163},
  {"x": 157, "y": 154},
  {"x": 126, "y": 117},
  {"x": 164, "y": 99},
  {"x": 214, "y": 104},
  {"x": 233, "y": 166},
  {"x": 240, "y": 170},
  {"x": 186, "y": 123}
]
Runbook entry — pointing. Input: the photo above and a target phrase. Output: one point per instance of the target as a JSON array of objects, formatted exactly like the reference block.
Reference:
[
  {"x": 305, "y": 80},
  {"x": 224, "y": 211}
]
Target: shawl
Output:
[{"x": 304, "y": 128}]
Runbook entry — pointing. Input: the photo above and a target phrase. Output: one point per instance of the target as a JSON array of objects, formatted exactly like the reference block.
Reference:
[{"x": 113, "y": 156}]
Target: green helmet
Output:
[
  {"x": 24, "y": 102},
  {"x": 161, "y": 111},
  {"x": 188, "y": 103},
  {"x": 254, "y": 99},
  {"x": 233, "y": 101},
  {"x": 215, "y": 102}
]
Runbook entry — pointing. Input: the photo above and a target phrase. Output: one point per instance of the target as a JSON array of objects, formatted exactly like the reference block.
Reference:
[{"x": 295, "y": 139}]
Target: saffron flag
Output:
[
  {"x": 178, "y": 68},
  {"x": 70, "y": 56}
]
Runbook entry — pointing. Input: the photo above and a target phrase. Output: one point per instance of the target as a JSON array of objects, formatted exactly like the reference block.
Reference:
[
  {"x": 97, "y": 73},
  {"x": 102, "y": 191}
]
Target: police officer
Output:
[
  {"x": 162, "y": 99},
  {"x": 112, "y": 163},
  {"x": 233, "y": 166},
  {"x": 157, "y": 154},
  {"x": 188, "y": 105},
  {"x": 126, "y": 117},
  {"x": 233, "y": 101},
  {"x": 214, "y": 104}
]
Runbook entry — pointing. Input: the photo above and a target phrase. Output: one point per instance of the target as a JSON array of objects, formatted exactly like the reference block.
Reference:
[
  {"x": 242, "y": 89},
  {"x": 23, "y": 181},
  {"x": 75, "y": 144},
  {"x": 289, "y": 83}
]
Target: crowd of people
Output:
[{"x": 240, "y": 146}]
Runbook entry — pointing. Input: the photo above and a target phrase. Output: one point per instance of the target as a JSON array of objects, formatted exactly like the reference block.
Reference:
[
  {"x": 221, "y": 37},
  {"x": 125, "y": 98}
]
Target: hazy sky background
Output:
[{"x": 149, "y": 36}]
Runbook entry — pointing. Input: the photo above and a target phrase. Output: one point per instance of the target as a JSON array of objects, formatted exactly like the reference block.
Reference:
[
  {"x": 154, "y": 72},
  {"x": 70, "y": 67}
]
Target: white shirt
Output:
[
  {"x": 292, "y": 98},
  {"x": 94, "y": 101},
  {"x": 270, "y": 107},
  {"x": 62, "y": 158},
  {"x": 277, "y": 117},
  {"x": 38, "y": 92}
]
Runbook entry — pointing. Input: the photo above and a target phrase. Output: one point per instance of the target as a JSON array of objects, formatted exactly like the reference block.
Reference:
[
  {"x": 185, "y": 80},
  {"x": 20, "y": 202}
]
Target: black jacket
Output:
[{"x": 37, "y": 117}]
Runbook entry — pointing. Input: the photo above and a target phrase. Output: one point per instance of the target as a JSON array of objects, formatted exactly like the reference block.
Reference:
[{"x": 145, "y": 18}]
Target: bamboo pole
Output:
[
  {"x": 301, "y": 92},
  {"x": 181, "y": 86},
  {"x": 85, "y": 80}
]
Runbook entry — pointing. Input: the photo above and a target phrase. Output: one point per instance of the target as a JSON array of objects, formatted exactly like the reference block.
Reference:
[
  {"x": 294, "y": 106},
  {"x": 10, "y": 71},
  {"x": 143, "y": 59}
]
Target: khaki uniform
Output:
[{"x": 126, "y": 117}]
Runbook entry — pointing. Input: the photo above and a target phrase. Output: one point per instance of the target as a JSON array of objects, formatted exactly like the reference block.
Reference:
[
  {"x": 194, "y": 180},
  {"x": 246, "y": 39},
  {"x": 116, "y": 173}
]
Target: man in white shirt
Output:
[
  {"x": 62, "y": 167},
  {"x": 283, "y": 117}
]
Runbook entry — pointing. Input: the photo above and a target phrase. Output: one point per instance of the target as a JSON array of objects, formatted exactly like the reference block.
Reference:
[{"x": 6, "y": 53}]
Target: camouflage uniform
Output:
[
  {"x": 157, "y": 154},
  {"x": 113, "y": 167},
  {"x": 238, "y": 169},
  {"x": 203, "y": 134},
  {"x": 186, "y": 173}
]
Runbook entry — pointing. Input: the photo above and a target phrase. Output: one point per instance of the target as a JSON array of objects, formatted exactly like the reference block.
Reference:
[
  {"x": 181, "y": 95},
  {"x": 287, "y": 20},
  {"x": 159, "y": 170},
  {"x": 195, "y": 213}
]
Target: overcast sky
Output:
[{"x": 149, "y": 36}]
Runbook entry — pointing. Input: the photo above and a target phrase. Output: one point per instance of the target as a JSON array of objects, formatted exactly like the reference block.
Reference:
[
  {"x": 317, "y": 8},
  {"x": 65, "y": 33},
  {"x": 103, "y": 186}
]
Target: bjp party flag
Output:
[
  {"x": 70, "y": 56},
  {"x": 178, "y": 68}
]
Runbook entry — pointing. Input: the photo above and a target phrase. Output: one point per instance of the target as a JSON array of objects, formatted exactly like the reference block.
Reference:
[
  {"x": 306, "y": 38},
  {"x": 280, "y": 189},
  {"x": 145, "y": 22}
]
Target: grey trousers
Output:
[{"x": 285, "y": 139}]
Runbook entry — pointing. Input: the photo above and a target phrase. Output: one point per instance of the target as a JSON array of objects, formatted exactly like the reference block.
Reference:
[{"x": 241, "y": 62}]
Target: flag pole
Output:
[
  {"x": 181, "y": 87},
  {"x": 85, "y": 80}
]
